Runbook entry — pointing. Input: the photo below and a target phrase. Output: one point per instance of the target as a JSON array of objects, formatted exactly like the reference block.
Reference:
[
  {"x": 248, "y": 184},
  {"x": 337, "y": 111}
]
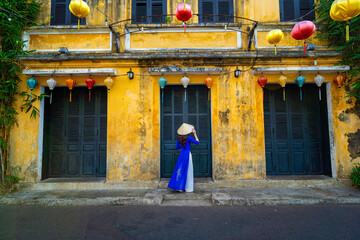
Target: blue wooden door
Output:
[
  {"x": 296, "y": 132},
  {"x": 195, "y": 111}
]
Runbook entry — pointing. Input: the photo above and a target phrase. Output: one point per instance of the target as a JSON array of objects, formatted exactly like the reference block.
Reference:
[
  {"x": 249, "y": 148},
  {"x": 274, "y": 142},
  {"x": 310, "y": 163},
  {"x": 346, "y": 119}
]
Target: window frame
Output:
[
  {"x": 215, "y": 10},
  {"x": 296, "y": 10},
  {"x": 68, "y": 15},
  {"x": 148, "y": 10}
]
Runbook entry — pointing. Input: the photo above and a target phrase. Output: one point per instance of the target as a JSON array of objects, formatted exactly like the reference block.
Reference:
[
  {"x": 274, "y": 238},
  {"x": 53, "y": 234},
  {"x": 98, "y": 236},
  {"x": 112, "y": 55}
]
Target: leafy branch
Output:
[{"x": 29, "y": 100}]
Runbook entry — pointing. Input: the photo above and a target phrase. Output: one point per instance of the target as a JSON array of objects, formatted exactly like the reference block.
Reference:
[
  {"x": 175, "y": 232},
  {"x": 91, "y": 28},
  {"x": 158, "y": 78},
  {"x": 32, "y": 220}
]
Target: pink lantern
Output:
[
  {"x": 302, "y": 31},
  {"x": 183, "y": 13}
]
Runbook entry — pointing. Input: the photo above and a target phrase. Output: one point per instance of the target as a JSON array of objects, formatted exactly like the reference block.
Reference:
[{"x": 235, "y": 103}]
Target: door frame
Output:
[
  {"x": 330, "y": 130},
  {"x": 211, "y": 129},
  {"x": 41, "y": 133}
]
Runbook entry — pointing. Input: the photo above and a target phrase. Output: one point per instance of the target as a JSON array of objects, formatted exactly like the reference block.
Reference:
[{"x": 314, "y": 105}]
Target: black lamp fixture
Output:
[
  {"x": 130, "y": 74},
  {"x": 237, "y": 72}
]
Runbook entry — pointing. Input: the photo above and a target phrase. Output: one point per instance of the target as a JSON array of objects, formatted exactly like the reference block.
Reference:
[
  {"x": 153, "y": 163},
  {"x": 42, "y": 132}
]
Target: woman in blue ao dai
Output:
[{"x": 183, "y": 176}]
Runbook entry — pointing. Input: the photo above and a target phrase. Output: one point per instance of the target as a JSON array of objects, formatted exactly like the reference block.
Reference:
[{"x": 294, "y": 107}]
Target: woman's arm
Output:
[
  {"x": 178, "y": 145},
  {"x": 196, "y": 137}
]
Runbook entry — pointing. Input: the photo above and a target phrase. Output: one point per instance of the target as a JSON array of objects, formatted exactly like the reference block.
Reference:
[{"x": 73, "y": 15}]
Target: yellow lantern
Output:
[
  {"x": 282, "y": 81},
  {"x": 274, "y": 37},
  {"x": 79, "y": 8},
  {"x": 108, "y": 83},
  {"x": 344, "y": 10}
]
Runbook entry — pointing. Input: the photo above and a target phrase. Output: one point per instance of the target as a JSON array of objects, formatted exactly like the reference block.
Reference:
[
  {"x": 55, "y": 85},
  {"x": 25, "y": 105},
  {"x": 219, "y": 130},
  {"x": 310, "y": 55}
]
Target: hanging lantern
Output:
[
  {"x": 90, "y": 83},
  {"x": 209, "y": 81},
  {"x": 51, "y": 83},
  {"x": 183, "y": 13},
  {"x": 302, "y": 31},
  {"x": 339, "y": 80},
  {"x": 108, "y": 83},
  {"x": 31, "y": 82},
  {"x": 300, "y": 82},
  {"x": 79, "y": 8},
  {"x": 185, "y": 82},
  {"x": 130, "y": 74},
  {"x": 319, "y": 80},
  {"x": 262, "y": 82},
  {"x": 237, "y": 72},
  {"x": 282, "y": 81},
  {"x": 274, "y": 37},
  {"x": 162, "y": 83},
  {"x": 345, "y": 10},
  {"x": 70, "y": 83}
]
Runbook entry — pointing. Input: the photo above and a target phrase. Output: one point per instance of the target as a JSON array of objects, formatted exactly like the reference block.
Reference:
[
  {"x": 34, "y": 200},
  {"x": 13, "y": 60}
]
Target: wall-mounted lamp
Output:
[
  {"x": 237, "y": 72},
  {"x": 64, "y": 50},
  {"x": 130, "y": 74}
]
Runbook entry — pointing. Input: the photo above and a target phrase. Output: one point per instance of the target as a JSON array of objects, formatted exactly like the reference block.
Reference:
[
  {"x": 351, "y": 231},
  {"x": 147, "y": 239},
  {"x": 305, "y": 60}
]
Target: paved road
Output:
[{"x": 149, "y": 222}]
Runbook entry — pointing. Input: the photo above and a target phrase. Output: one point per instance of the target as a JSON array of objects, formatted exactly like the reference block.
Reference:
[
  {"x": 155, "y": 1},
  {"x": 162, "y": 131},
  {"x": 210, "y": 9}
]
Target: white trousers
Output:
[{"x": 189, "y": 186}]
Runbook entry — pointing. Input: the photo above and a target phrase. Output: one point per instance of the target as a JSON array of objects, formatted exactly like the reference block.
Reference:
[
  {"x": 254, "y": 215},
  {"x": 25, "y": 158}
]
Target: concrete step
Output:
[{"x": 186, "y": 203}]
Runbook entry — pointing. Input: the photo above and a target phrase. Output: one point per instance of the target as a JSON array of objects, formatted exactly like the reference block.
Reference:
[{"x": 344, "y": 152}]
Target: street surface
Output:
[{"x": 159, "y": 222}]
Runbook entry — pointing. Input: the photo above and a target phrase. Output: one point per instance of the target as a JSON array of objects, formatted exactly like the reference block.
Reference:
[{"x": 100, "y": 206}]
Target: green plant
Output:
[
  {"x": 12, "y": 178},
  {"x": 29, "y": 99},
  {"x": 355, "y": 175},
  {"x": 15, "y": 16},
  {"x": 334, "y": 33}
]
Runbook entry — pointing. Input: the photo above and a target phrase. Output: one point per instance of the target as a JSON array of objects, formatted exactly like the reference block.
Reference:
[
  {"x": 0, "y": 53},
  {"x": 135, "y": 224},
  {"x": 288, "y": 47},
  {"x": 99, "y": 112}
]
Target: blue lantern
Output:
[
  {"x": 32, "y": 84},
  {"x": 162, "y": 83},
  {"x": 300, "y": 82}
]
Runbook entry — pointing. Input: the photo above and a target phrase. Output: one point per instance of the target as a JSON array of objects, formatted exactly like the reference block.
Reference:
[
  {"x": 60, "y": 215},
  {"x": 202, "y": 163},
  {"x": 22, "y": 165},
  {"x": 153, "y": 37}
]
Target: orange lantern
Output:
[
  {"x": 339, "y": 80},
  {"x": 90, "y": 83},
  {"x": 208, "y": 81},
  {"x": 262, "y": 82},
  {"x": 70, "y": 83}
]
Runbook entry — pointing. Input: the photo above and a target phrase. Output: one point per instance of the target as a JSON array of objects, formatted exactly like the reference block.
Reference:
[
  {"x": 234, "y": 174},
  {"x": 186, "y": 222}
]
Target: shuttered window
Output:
[
  {"x": 216, "y": 11},
  {"x": 61, "y": 14},
  {"x": 141, "y": 8},
  {"x": 294, "y": 9}
]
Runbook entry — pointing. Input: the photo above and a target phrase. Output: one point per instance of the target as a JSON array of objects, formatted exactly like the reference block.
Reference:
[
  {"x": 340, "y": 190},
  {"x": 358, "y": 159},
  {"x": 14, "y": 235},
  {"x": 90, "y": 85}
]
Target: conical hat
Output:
[{"x": 185, "y": 129}]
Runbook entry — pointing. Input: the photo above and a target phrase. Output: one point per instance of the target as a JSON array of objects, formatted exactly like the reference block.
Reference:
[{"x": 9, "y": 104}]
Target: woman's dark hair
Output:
[{"x": 183, "y": 139}]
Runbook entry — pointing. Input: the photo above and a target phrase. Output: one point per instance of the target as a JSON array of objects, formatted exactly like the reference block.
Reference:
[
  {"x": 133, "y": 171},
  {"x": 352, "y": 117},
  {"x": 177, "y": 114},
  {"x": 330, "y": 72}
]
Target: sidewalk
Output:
[{"x": 293, "y": 194}]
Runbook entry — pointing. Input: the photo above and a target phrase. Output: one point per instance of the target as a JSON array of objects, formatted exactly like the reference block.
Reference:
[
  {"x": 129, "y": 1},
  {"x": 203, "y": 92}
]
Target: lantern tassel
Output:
[
  {"x": 78, "y": 23},
  {"x": 300, "y": 94},
  {"x": 347, "y": 31},
  {"x": 50, "y": 97},
  {"x": 284, "y": 94},
  {"x": 162, "y": 95},
  {"x": 70, "y": 95},
  {"x": 263, "y": 93},
  {"x": 185, "y": 94},
  {"x": 184, "y": 27},
  {"x": 275, "y": 49},
  {"x": 305, "y": 47},
  {"x": 209, "y": 94},
  {"x": 319, "y": 93},
  {"x": 89, "y": 95}
]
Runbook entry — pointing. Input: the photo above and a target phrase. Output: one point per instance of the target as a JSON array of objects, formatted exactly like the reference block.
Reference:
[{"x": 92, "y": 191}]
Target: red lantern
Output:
[
  {"x": 70, "y": 83},
  {"x": 183, "y": 13},
  {"x": 90, "y": 83},
  {"x": 262, "y": 82},
  {"x": 339, "y": 80},
  {"x": 302, "y": 31},
  {"x": 208, "y": 81}
]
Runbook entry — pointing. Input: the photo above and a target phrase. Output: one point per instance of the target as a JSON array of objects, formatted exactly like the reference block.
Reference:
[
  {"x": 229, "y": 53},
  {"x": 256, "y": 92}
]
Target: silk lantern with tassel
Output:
[
  {"x": 183, "y": 13},
  {"x": 90, "y": 83},
  {"x": 70, "y": 83},
  {"x": 339, "y": 80},
  {"x": 108, "y": 83},
  {"x": 300, "y": 82},
  {"x": 319, "y": 80},
  {"x": 262, "y": 82},
  {"x": 51, "y": 83},
  {"x": 282, "y": 81},
  {"x": 31, "y": 82},
  {"x": 185, "y": 82},
  {"x": 345, "y": 10},
  {"x": 162, "y": 82},
  {"x": 302, "y": 31},
  {"x": 80, "y": 9},
  {"x": 274, "y": 37},
  {"x": 208, "y": 81}
]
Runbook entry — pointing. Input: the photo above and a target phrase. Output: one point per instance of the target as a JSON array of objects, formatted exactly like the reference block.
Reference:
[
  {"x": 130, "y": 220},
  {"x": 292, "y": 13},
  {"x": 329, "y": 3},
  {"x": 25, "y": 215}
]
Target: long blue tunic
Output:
[{"x": 178, "y": 179}]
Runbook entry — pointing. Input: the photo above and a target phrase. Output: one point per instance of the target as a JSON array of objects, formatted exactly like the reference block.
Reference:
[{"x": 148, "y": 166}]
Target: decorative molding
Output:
[
  {"x": 68, "y": 72},
  {"x": 175, "y": 70},
  {"x": 321, "y": 69}
]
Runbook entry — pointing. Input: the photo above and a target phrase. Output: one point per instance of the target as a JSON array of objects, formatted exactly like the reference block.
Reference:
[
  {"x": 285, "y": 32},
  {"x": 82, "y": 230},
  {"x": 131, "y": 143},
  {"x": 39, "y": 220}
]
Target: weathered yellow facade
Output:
[{"x": 133, "y": 120}]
